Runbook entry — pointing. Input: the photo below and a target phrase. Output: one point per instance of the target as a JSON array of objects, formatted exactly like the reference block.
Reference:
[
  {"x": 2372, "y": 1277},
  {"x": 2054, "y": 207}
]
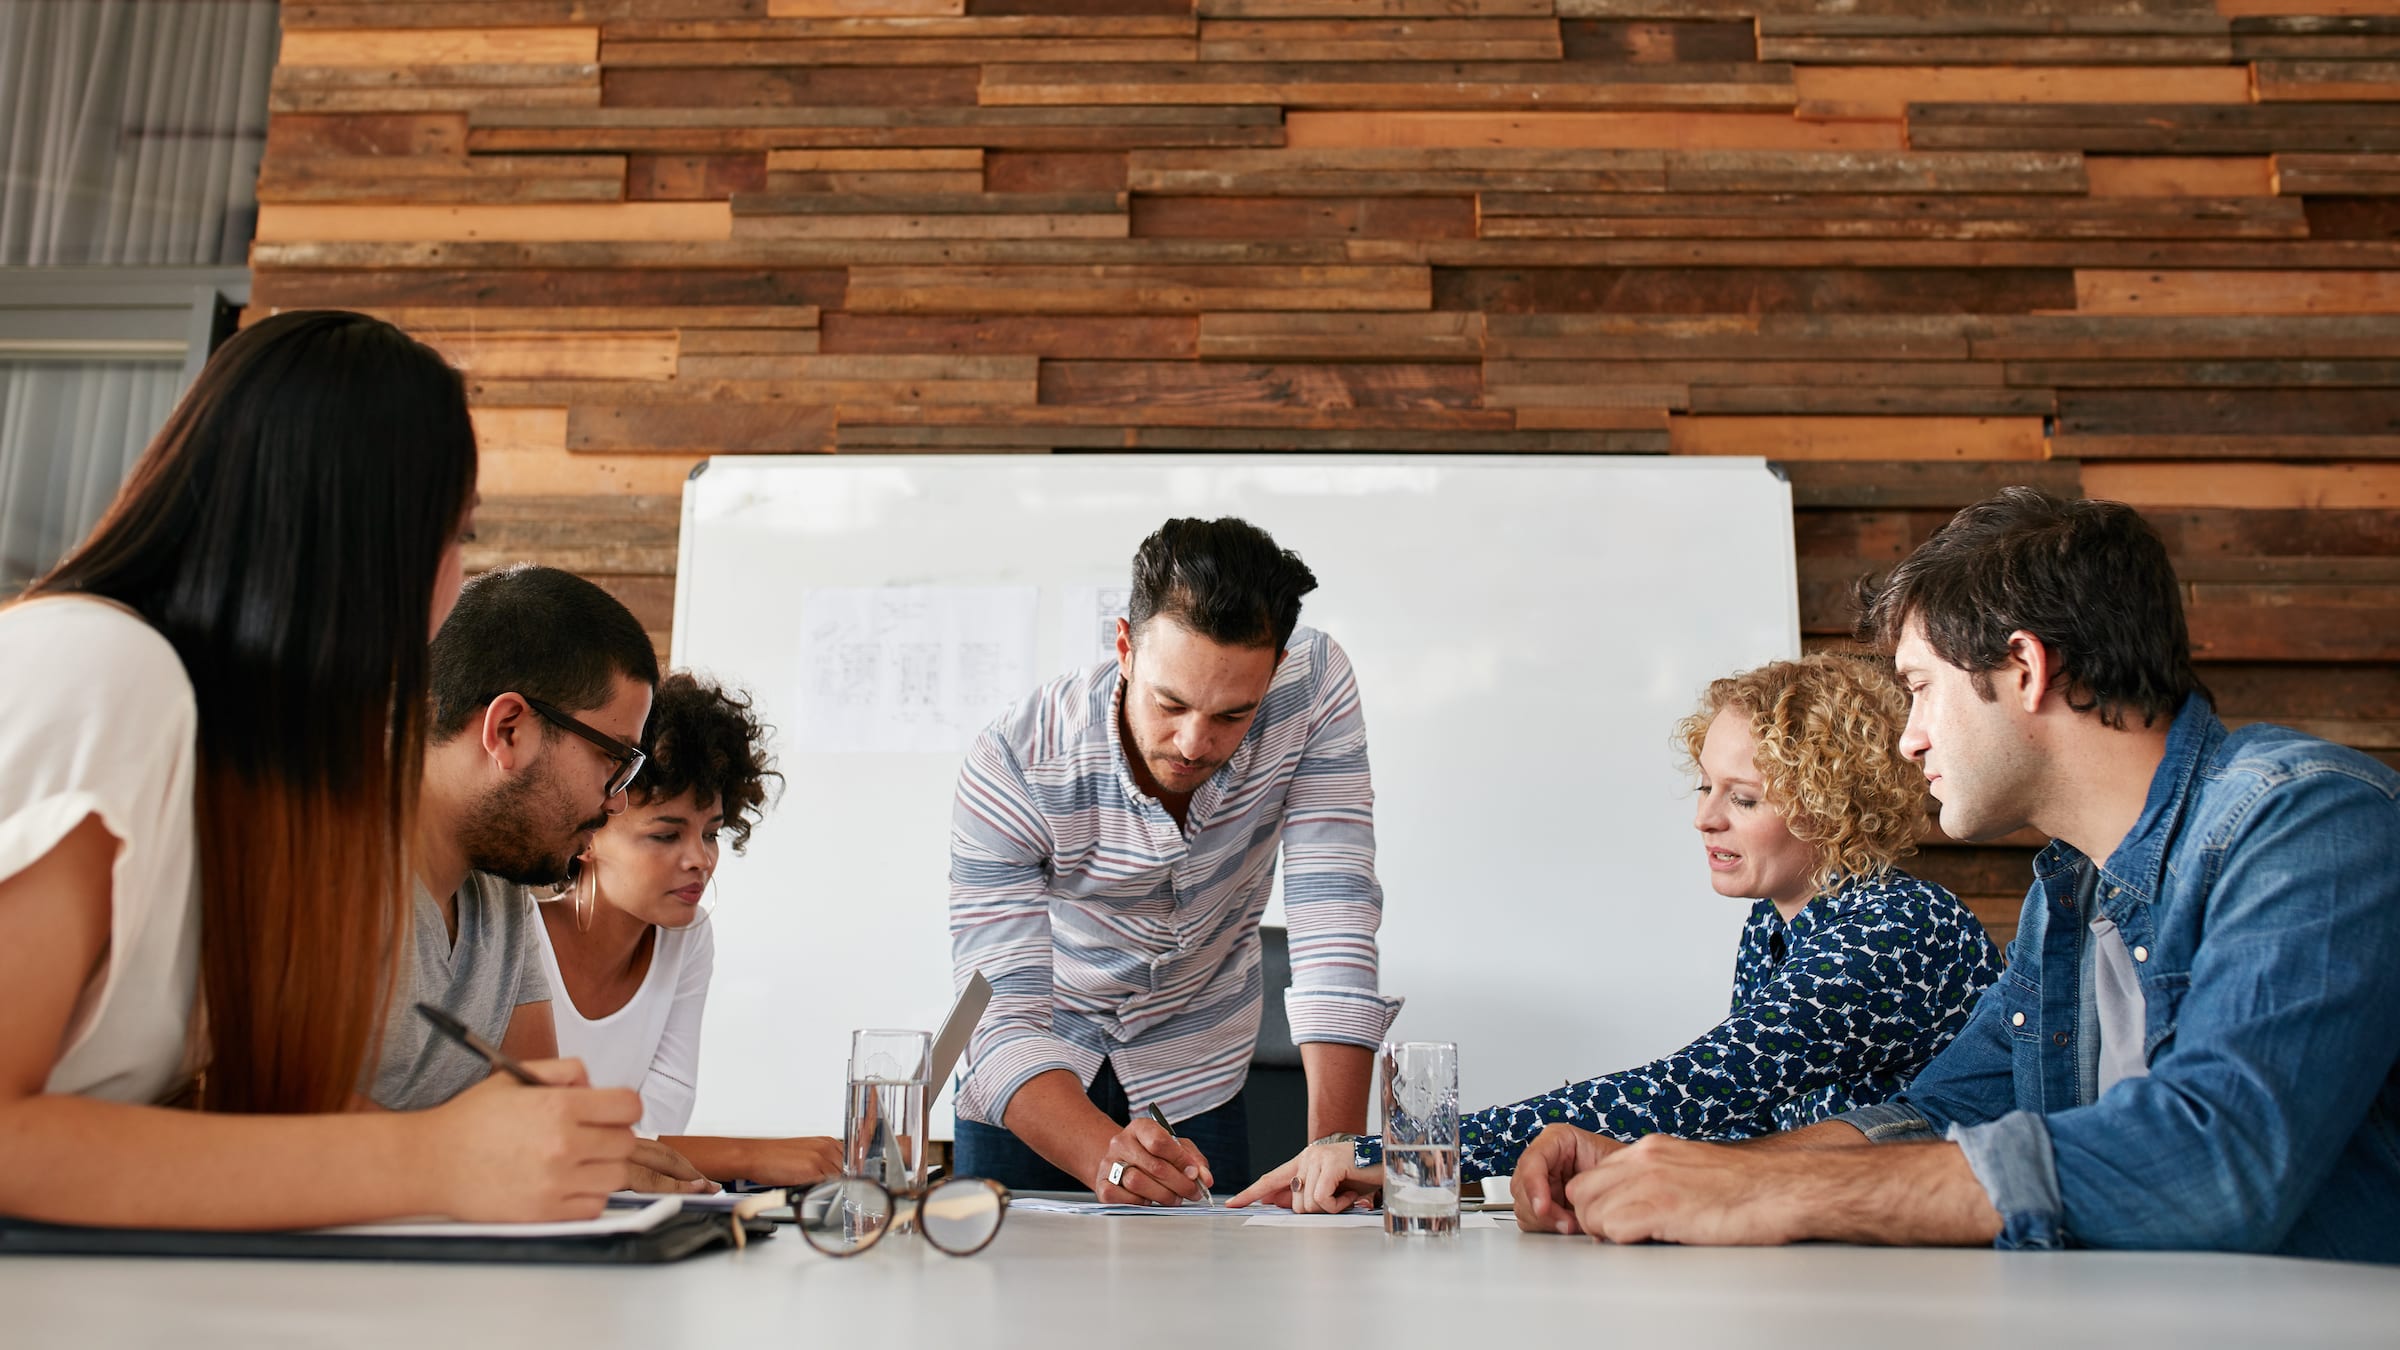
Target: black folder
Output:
[{"x": 678, "y": 1236}]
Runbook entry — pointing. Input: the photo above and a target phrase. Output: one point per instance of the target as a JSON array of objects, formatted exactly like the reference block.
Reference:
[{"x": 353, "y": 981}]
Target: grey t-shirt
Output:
[{"x": 495, "y": 966}]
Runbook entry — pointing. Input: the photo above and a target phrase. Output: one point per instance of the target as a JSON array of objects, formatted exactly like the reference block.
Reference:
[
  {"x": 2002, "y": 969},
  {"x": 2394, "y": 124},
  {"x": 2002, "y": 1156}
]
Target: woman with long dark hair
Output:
[{"x": 210, "y": 744}]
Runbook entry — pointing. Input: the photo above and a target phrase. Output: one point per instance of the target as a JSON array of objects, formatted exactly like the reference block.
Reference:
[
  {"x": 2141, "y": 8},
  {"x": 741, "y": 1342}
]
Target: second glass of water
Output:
[
  {"x": 1420, "y": 1137},
  {"x": 883, "y": 1112}
]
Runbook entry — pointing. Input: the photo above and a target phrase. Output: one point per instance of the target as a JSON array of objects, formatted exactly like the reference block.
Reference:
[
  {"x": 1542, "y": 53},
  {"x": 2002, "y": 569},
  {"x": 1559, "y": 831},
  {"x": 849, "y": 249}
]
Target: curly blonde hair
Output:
[{"x": 1827, "y": 729}]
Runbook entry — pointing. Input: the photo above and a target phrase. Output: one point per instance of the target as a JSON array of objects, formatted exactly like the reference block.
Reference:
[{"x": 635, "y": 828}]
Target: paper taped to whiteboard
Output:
[
  {"x": 1087, "y": 624},
  {"x": 911, "y": 669}
]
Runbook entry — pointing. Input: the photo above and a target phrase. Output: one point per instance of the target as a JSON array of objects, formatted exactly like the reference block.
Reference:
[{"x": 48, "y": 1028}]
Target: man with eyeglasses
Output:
[{"x": 541, "y": 683}]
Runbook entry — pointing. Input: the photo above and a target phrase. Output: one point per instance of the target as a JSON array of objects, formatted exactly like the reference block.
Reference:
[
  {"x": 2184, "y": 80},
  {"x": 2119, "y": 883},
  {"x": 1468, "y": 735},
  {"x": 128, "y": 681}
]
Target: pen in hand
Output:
[
  {"x": 1161, "y": 1118},
  {"x": 493, "y": 1055}
]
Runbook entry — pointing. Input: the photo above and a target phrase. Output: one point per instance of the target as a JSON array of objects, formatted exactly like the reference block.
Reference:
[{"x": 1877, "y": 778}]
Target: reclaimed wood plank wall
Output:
[{"x": 2143, "y": 249}]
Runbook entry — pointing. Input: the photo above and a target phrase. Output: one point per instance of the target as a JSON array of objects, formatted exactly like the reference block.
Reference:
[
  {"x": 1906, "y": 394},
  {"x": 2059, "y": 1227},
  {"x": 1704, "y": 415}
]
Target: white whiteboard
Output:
[{"x": 1526, "y": 632}]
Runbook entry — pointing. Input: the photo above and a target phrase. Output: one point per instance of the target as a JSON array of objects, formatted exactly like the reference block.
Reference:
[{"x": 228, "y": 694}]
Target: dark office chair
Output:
[{"x": 1277, "y": 1098}]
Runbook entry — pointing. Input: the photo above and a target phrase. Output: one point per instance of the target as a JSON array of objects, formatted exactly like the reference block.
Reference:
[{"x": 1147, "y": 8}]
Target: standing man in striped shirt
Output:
[{"x": 1114, "y": 842}]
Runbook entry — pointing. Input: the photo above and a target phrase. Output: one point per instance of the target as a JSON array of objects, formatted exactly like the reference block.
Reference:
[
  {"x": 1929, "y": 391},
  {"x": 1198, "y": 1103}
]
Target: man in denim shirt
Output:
[{"x": 2197, "y": 1041}]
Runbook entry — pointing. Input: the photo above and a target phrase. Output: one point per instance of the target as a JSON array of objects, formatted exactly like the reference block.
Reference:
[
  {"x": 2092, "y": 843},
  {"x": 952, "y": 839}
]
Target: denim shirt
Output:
[{"x": 2259, "y": 894}]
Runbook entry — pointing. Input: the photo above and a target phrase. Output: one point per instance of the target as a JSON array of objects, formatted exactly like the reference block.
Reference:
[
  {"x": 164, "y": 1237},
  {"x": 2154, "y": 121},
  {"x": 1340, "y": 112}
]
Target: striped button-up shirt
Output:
[{"x": 1110, "y": 933}]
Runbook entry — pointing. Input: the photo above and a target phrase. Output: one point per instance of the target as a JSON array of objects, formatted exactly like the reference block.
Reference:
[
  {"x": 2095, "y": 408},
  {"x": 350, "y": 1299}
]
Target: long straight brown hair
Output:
[{"x": 284, "y": 532}]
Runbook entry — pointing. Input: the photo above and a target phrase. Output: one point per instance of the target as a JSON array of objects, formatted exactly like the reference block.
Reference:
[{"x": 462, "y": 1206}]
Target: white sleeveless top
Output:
[
  {"x": 100, "y": 720},
  {"x": 653, "y": 1042}
]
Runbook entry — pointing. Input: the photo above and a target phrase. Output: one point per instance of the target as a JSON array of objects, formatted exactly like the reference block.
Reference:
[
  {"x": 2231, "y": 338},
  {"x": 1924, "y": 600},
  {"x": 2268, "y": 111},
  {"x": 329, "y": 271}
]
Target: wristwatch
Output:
[{"x": 1340, "y": 1137}]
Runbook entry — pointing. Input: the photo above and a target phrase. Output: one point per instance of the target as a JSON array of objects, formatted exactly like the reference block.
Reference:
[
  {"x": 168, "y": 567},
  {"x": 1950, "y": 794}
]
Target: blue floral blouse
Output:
[{"x": 1836, "y": 1010}]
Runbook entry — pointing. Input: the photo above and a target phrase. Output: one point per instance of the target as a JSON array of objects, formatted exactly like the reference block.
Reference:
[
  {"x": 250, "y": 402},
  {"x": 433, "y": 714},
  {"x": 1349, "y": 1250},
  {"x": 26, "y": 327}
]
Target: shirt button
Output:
[
  {"x": 2058, "y": 1038},
  {"x": 2141, "y": 953},
  {"x": 2066, "y": 902},
  {"x": 2016, "y": 1019},
  {"x": 2112, "y": 892}
]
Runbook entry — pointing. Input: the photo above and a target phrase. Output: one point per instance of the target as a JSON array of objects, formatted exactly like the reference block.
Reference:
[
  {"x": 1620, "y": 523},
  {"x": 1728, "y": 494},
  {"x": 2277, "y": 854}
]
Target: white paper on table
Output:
[
  {"x": 902, "y": 669},
  {"x": 1353, "y": 1219},
  {"x": 1100, "y": 1209},
  {"x": 610, "y": 1221},
  {"x": 1087, "y": 624}
]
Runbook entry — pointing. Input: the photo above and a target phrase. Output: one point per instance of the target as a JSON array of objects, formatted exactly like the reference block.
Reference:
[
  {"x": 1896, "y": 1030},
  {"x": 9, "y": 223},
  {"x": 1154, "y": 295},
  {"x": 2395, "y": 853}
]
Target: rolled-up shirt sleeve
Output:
[
  {"x": 1000, "y": 925},
  {"x": 1332, "y": 903}
]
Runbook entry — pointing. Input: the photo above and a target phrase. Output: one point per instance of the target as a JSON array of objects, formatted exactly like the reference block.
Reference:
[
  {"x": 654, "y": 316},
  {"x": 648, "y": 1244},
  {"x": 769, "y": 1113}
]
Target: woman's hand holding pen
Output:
[{"x": 503, "y": 1152}]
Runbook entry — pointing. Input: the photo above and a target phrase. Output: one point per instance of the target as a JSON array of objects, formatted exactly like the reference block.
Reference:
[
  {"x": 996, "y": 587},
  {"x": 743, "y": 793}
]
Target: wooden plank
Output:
[
  {"x": 860, "y": 25},
  {"x": 1357, "y": 172},
  {"x": 1380, "y": 39},
  {"x": 522, "y": 451},
  {"x": 2371, "y": 34},
  {"x": 980, "y": 204},
  {"x": 2256, "y": 374},
  {"x": 713, "y": 428},
  {"x": 945, "y": 225},
  {"x": 1696, "y": 130},
  {"x": 1563, "y": 215},
  {"x": 784, "y": 253},
  {"x": 789, "y": 87},
  {"x": 1868, "y": 400},
  {"x": 592, "y": 535},
  {"x": 750, "y": 341},
  {"x": 851, "y": 182},
  {"x": 2357, "y": 175},
  {"x": 2168, "y": 337},
  {"x": 2255, "y": 486},
  {"x": 686, "y": 178},
  {"x": 284, "y": 98},
  {"x": 1221, "y": 384},
  {"x": 725, "y": 130},
  {"x": 295, "y": 136},
  {"x": 352, "y": 14},
  {"x": 834, "y": 9},
  {"x": 499, "y": 354},
  {"x": 2327, "y": 81},
  {"x": 1341, "y": 337},
  {"x": 1383, "y": 9},
  {"x": 1123, "y": 289},
  {"x": 1917, "y": 483},
  {"x": 1665, "y": 368},
  {"x": 389, "y": 78},
  {"x": 1766, "y": 337},
  {"x": 2290, "y": 693},
  {"x": 2169, "y": 176},
  {"x": 292, "y": 222},
  {"x": 1886, "y": 91},
  {"x": 881, "y": 161},
  {"x": 2297, "y": 630},
  {"x": 1092, "y": 337},
  {"x": 1658, "y": 40},
  {"x": 1749, "y": 171},
  {"x": 1856, "y": 438},
  {"x": 380, "y": 287},
  {"x": 2365, "y": 218},
  {"x": 441, "y": 46},
  {"x": 443, "y": 179},
  {"x": 2169, "y": 129},
  {"x": 2108, "y": 291},
  {"x": 988, "y": 53},
  {"x": 1740, "y": 290},
  {"x": 1037, "y": 171},
  {"x": 2063, "y": 50},
  {"x": 1168, "y": 217},
  {"x": 1654, "y": 401},
  {"x": 1409, "y": 85},
  {"x": 2282, "y": 411},
  {"x": 693, "y": 321}
]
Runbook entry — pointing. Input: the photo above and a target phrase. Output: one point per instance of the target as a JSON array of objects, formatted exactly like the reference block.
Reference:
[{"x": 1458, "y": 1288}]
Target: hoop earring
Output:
[
  {"x": 710, "y": 897},
  {"x": 587, "y": 893}
]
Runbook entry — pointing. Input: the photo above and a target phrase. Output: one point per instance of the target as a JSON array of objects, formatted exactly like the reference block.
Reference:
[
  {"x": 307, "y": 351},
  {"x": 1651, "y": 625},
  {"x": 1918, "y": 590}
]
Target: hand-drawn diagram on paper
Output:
[
  {"x": 911, "y": 668},
  {"x": 1087, "y": 627}
]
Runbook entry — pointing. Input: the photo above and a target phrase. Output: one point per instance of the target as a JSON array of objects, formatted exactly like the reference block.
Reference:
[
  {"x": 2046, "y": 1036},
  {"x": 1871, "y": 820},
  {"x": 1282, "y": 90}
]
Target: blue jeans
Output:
[{"x": 1221, "y": 1135}]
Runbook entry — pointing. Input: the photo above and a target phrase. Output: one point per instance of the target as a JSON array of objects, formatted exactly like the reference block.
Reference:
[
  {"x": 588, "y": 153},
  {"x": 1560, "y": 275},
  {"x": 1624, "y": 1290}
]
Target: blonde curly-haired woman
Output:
[{"x": 1851, "y": 974}]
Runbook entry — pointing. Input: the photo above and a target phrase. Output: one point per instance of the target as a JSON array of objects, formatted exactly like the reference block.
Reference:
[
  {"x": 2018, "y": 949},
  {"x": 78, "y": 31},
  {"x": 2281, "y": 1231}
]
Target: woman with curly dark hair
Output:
[{"x": 628, "y": 947}]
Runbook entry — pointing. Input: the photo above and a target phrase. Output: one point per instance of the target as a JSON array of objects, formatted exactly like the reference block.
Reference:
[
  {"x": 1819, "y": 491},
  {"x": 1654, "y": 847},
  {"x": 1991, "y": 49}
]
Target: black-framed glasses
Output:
[
  {"x": 629, "y": 759},
  {"x": 847, "y": 1215}
]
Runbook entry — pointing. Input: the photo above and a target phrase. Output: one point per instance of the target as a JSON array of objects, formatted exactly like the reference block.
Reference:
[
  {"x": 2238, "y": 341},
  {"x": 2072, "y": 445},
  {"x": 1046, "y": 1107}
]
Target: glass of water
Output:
[
  {"x": 1420, "y": 1137},
  {"x": 883, "y": 1114}
]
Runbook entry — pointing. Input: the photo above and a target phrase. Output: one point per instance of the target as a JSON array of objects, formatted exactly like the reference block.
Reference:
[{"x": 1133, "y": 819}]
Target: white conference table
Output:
[{"x": 1136, "y": 1283}]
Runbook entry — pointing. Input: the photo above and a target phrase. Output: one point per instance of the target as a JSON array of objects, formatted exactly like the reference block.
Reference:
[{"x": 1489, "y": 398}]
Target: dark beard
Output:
[{"x": 508, "y": 834}]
